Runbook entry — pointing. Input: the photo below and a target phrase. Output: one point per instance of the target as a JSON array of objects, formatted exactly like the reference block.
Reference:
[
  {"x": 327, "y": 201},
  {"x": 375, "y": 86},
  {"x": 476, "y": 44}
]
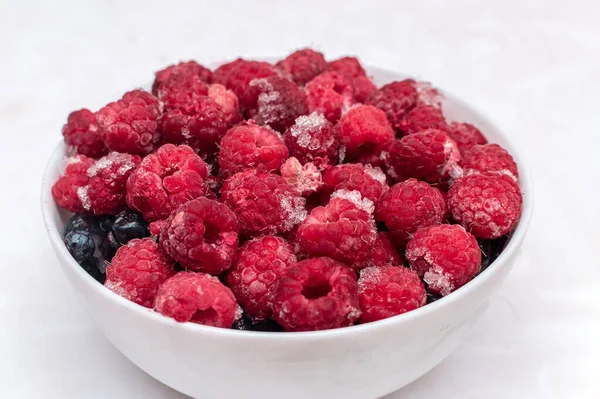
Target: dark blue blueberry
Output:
[
  {"x": 90, "y": 251},
  {"x": 106, "y": 222},
  {"x": 246, "y": 324},
  {"x": 84, "y": 222},
  {"x": 127, "y": 226}
]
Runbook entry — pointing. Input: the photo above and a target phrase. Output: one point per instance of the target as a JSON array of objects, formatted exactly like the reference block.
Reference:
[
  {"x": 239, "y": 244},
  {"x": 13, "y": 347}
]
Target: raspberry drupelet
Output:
[
  {"x": 364, "y": 128},
  {"x": 228, "y": 101},
  {"x": 260, "y": 264},
  {"x": 330, "y": 94},
  {"x": 75, "y": 178},
  {"x": 396, "y": 99},
  {"x": 423, "y": 117},
  {"x": 382, "y": 252},
  {"x": 137, "y": 270},
  {"x": 312, "y": 138},
  {"x": 302, "y": 179},
  {"x": 202, "y": 235},
  {"x": 388, "y": 291},
  {"x": 488, "y": 158},
  {"x": 82, "y": 133},
  {"x": 316, "y": 294},
  {"x": 303, "y": 65},
  {"x": 445, "y": 256},
  {"x": 130, "y": 125},
  {"x": 465, "y": 135},
  {"x": 369, "y": 181},
  {"x": 166, "y": 179},
  {"x": 189, "y": 68},
  {"x": 198, "y": 298}
]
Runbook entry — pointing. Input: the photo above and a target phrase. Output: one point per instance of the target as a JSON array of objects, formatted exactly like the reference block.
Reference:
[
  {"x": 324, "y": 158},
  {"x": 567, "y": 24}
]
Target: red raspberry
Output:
[
  {"x": 276, "y": 102},
  {"x": 330, "y": 94},
  {"x": 388, "y": 291},
  {"x": 490, "y": 158},
  {"x": 303, "y": 180},
  {"x": 260, "y": 264},
  {"x": 137, "y": 270},
  {"x": 363, "y": 88},
  {"x": 347, "y": 66},
  {"x": 155, "y": 227},
  {"x": 364, "y": 128},
  {"x": 313, "y": 138},
  {"x": 446, "y": 256},
  {"x": 316, "y": 294},
  {"x": 199, "y": 298},
  {"x": 409, "y": 206},
  {"x": 262, "y": 202},
  {"x": 465, "y": 135},
  {"x": 429, "y": 155},
  {"x": 423, "y": 117},
  {"x": 166, "y": 179},
  {"x": 396, "y": 99},
  {"x": 228, "y": 101},
  {"x": 369, "y": 181},
  {"x": 190, "y": 68},
  {"x": 343, "y": 229},
  {"x": 488, "y": 205},
  {"x": 83, "y": 134},
  {"x": 251, "y": 146},
  {"x": 242, "y": 73},
  {"x": 131, "y": 124},
  {"x": 221, "y": 74},
  {"x": 428, "y": 95},
  {"x": 303, "y": 65},
  {"x": 381, "y": 253},
  {"x": 106, "y": 190},
  {"x": 202, "y": 235},
  {"x": 74, "y": 179},
  {"x": 181, "y": 92}
]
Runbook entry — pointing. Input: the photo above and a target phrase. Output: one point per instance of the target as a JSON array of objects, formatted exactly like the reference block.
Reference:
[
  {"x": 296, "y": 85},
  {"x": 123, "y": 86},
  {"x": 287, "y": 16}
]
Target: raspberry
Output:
[
  {"x": 488, "y": 205},
  {"x": 465, "y": 135},
  {"x": 262, "y": 202},
  {"x": 199, "y": 298},
  {"x": 363, "y": 88},
  {"x": 423, "y": 117},
  {"x": 369, "y": 181},
  {"x": 106, "y": 191},
  {"x": 202, "y": 235},
  {"x": 445, "y": 256},
  {"x": 330, "y": 93},
  {"x": 189, "y": 68},
  {"x": 428, "y": 95},
  {"x": 276, "y": 102},
  {"x": 429, "y": 155},
  {"x": 166, "y": 179},
  {"x": 228, "y": 101},
  {"x": 251, "y": 146},
  {"x": 408, "y": 206},
  {"x": 381, "y": 253},
  {"x": 303, "y": 180},
  {"x": 396, "y": 99},
  {"x": 316, "y": 294},
  {"x": 75, "y": 177},
  {"x": 221, "y": 74},
  {"x": 347, "y": 66},
  {"x": 130, "y": 124},
  {"x": 155, "y": 227},
  {"x": 137, "y": 270},
  {"x": 83, "y": 134},
  {"x": 303, "y": 65},
  {"x": 364, "y": 128},
  {"x": 260, "y": 264},
  {"x": 388, "y": 291},
  {"x": 313, "y": 138},
  {"x": 343, "y": 229},
  {"x": 242, "y": 73},
  {"x": 490, "y": 158},
  {"x": 181, "y": 92}
]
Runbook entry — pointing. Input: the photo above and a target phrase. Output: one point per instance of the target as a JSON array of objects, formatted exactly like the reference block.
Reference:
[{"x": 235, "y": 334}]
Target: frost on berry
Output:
[
  {"x": 228, "y": 101},
  {"x": 312, "y": 138},
  {"x": 489, "y": 158},
  {"x": 428, "y": 95},
  {"x": 302, "y": 179},
  {"x": 356, "y": 198},
  {"x": 369, "y": 181},
  {"x": 294, "y": 211}
]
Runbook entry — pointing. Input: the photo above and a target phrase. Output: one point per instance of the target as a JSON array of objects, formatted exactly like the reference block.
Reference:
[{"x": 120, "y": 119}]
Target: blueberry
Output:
[
  {"x": 106, "y": 222},
  {"x": 89, "y": 250},
  {"x": 83, "y": 222},
  {"x": 127, "y": 226},
  {"x": 246, "y": 324}
]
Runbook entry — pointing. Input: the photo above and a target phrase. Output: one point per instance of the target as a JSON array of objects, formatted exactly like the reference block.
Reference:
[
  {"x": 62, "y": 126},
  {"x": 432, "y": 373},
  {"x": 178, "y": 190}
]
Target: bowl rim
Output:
[{"x": 47, "y": 202}]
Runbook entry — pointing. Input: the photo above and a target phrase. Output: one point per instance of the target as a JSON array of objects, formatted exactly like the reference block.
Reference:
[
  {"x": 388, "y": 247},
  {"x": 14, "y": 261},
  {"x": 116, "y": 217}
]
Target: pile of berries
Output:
[{"x": 293, "y": 196}]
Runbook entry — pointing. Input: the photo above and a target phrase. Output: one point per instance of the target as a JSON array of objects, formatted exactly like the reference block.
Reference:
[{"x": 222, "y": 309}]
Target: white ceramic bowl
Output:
[{"x": 365, "y": 361}]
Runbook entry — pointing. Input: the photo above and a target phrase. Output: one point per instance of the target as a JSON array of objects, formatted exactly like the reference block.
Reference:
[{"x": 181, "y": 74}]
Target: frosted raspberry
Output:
[
  {"x": 343, "y": 229},
  {"x": 221, "y": 74},
  {"x": 166, "y": 179},
  {"x": 316, "y": 294},
  {"x": 181, "y": 92},
  {"x": 303, "y": 65},
  {"x": 313, "y": 138},
  {"x": 82, "y": 133},
  {"x": 263, "y": 202},
  {"x": 396, "y": 99},
  {"x": 428, "y": 95},
  {"x": 465, "y": 135},
  {"x": 382, "y": 252},
  {"x": 408, "y": 206},
  {"x": 260, "y": 264},
  {"x": 155, "y": 228},
  {"x": 363, "y": 88},
  {"x": 228, "y": 101},
  {"x": 388, "y": 291},
  {"x": 302, "y": 179},
  {"x": 276, "y": 102},
  {"x": 241, "y": 74},
  {"x": 330, "y": 94},
  {"x": 130, "y": 124},
  {"x": 137, "y": 270},
  {"x": 489, "y": 158},
  {"x": 347, "y": 66},
  {"x": 106, "y": 190},
  {"x": 369, "y": 181},
  {"x": 189, "y": 68},
  {"x": 202, "y": 235},
  {"x": 198, "y": 298},
  {"x": 75, "y": 178},
  {"x": 487, "y": 205},
  {"x": 251, "y": 146},
  {"x": 429, "y": 155},
  {"x": 445, "y": 256},
  {"x": 423, "y": 117},
  {"x": 364, "y": 128}
]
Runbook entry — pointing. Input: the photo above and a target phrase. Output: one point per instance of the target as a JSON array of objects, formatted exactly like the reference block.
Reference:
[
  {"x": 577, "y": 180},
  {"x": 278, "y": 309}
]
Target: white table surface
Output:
[{"x": 532, "y": 66}]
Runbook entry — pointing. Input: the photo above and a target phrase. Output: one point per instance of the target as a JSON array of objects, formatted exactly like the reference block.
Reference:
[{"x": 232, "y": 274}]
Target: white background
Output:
[{"x": 532, "y": 66}]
